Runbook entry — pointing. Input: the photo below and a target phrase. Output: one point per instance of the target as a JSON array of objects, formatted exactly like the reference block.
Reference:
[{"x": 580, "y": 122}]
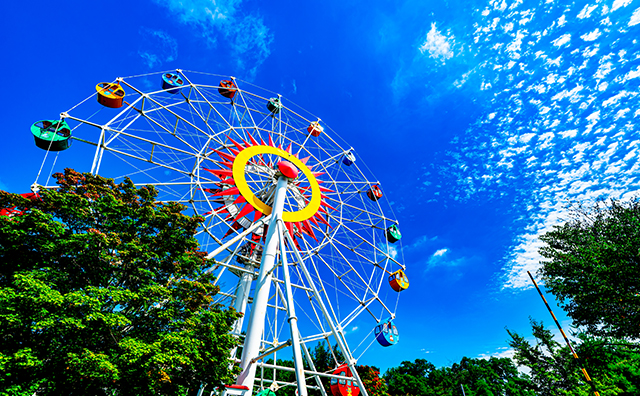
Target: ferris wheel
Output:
[{"x": 299, "y": 233}]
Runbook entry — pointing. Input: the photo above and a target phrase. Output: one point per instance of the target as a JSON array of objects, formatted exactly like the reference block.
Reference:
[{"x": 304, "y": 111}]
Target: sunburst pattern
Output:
[{"x": 248, "y": 183}]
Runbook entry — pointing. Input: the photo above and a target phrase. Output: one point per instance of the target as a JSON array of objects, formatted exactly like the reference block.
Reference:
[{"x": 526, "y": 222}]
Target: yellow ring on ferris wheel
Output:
[{"x": 239, "y": 165}]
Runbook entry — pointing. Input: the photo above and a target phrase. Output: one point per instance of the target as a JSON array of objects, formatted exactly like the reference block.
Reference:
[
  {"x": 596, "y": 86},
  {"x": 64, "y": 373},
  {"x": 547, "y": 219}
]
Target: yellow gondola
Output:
[
  {"x": 110, "y": 94},
  {"x": 399, "y": 281}
]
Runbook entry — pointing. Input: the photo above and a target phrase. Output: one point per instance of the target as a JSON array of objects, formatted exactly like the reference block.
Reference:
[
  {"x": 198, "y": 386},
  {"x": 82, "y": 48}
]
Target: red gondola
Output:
[
  {"x": 374, "y": 193},
  {"x": 315, "y": 129},
  {"x": 227, "y": 88},
  {"x": 346, "y": 386}
]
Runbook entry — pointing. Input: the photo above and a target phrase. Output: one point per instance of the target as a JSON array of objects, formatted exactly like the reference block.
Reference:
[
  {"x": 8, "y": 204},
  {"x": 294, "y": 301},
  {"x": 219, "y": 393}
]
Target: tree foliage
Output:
[
  {"x": 592, "y": 265},
  {"x": 613, "y": 365},
  {"x": 494, "y": 376},
  {"x": 103, "y": 291},
  {"x": 372, "y": 382},
  {"x": 410, "y": 378}
]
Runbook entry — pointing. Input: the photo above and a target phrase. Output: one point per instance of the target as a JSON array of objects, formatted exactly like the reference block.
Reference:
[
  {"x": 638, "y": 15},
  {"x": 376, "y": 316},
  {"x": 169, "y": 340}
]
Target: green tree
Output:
[
  {"x": 487, "y": 377},
  {"x": 410, "y": 378},
  {"x": 478, "y": 377},
  {"x": 613, "y": 365},
  {"x": 324, "y": 359},
  {"x": 372, "y": 382},
  {"x": 281, "y": 376},
  {"x": 103, "y": 291},
  {"x": 592, "y": 265}
]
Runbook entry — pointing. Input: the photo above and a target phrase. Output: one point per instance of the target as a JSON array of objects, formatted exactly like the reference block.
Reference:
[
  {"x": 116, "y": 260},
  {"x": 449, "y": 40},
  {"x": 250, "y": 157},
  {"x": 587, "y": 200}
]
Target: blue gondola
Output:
[
  {"x": 349, "y": 158},
  {"x": 387, "y": 333},
  {"x": 172, "y": 83}
]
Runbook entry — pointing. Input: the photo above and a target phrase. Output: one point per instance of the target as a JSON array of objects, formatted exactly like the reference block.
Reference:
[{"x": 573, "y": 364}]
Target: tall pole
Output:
[
  {"x": 255, "y": 326},
  {"x": 240, "y": 304},
  {"x": 575, "y": 355}
]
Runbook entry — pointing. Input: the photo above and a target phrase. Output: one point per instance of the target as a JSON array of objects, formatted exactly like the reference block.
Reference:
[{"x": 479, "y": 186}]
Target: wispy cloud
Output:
[
  {"x": 156, "y": 47},
  {"x": 561, "y": 120},
  {"x": 437, "y": 45},
  {"x": 431, "y": 54},
  {"x": 502, "y": 352},
  {"x": 440, "y": 252},
  {"x": 245, "y": 36},
  {"x": 635, "y": 18}
]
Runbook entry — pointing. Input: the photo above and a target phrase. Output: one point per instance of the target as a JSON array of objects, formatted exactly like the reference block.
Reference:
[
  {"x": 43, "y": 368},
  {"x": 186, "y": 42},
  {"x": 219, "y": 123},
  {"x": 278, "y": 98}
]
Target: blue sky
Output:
[{"x": 482, "y": 119}]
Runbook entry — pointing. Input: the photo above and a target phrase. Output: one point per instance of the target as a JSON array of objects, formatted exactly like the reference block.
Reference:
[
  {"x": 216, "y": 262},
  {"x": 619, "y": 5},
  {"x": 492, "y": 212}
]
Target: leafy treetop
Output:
[{"x": 104, "y": 291}]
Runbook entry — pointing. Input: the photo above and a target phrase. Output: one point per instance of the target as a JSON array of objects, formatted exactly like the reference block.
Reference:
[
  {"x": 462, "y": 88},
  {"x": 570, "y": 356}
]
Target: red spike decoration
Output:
[{"x": 227, "y": 187}]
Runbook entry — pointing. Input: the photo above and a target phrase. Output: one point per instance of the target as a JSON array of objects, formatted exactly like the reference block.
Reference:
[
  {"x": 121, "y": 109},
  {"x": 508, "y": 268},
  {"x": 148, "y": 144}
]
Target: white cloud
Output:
[
  {"x": 635, "y": 18},
  {"x": 620, "y": 3},
  {"x": 205, "y": 12},
  {"x": 558, "y": 126},
  {"x": 437, "y": 45},
  {"x": 440, "y": 252},
  {"x": 156, "y": 47},
  {"x": 632, "y": 74},
  {"x": 562, "y": 40},
  {"x": 586, "y": 11},
  {"x": 247, "y": 36},
  {"x": 502, "y": 352},
  {"x": 591, "y": 36}
]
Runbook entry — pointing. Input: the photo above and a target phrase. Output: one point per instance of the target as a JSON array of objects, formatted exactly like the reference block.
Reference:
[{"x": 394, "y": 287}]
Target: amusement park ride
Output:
[{"x": 299, "y": 235}]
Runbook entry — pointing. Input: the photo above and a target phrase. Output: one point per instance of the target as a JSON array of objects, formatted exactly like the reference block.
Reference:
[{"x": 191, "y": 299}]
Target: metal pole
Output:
[
  {"x": 255, "y": 327},
  {"x": 293, "y": 320},
  {"x": 239, "y": 236},
  {"x": 240, "y": 304},
  {"x": 575, "y": 355}
]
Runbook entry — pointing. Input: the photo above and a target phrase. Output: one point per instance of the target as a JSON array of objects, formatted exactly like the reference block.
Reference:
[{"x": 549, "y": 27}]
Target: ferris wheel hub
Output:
[{"x": 288, "y": 169}]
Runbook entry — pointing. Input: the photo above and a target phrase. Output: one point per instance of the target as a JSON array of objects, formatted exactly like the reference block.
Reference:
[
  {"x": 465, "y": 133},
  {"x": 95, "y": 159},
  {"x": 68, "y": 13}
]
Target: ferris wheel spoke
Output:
[
  {"x": 169, "y": 110},
  {"x": 209, "y": 103}
]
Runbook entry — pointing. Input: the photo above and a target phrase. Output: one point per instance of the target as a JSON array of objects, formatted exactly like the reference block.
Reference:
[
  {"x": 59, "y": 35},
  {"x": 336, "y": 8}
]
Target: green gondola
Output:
[{"x": 52, "y": 135}]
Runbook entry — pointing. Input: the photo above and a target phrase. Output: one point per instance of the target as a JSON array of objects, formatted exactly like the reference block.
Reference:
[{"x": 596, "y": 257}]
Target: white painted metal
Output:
[{"x": 255, "y": 327}]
